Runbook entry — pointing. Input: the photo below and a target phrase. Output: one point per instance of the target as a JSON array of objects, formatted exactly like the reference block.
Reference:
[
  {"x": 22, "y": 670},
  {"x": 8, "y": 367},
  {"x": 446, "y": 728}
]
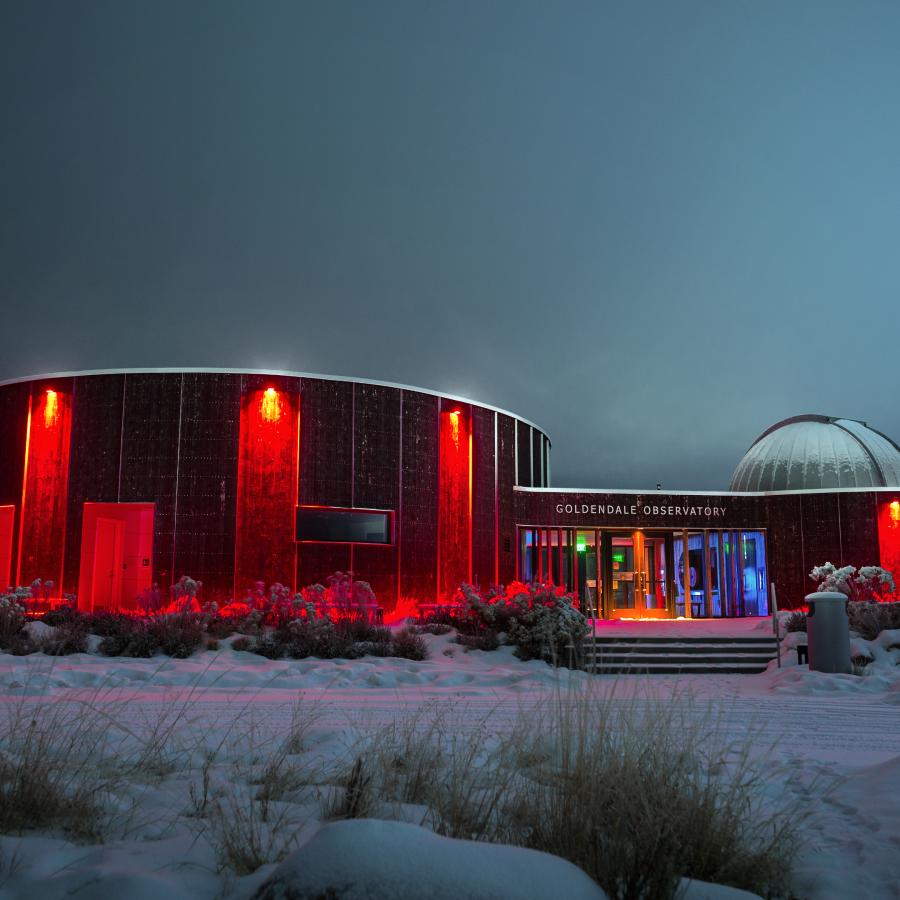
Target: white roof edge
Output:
[
  {"x": 677, "y": 493},
  {"x": 175, "y": 370}
]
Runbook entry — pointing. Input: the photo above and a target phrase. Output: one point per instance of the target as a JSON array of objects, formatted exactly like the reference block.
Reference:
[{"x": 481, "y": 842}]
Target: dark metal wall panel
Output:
[
  {"x": 96, "y": 447},
  {"x": 207, "y": 481},
  {"x": 376, "y": 456},
  {"x": 784, "y": 545},
  {"x": 150, "y": 459},
  {"x": 859, "y": 529},
  {"x": 537, "y": 439},
  {"x": 523, "y": 463},
  {"x": 13, "y": 426},
  {"x": 315, "y": 562},
  {"x": 484, "y": 534},
  {"x": 417, "y": 529},
  {"x": 821, "y": 533},
  {"x": 326, "y": 442},
  {"x": 506, "y": 512}
]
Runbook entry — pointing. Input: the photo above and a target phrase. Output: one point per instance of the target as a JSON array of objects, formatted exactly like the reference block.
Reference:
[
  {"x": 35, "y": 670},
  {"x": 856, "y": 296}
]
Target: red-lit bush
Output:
[
  {"x": 541, "y": 620},
  {"x": 337, "y": 619}
]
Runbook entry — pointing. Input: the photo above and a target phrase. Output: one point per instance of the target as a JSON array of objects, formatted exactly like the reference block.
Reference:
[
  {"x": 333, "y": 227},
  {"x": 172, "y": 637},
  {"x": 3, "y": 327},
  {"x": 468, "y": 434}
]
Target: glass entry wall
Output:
[
  {"x": 546, "y": 556},
  {"x": 641, "y": 574},
  {"x": 726, "y": 574}
]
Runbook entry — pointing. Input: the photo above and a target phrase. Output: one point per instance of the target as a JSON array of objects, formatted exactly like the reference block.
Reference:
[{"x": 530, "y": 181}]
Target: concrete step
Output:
[
  {"x": 681, "y": 655},
  {"x": 700, "y": 649},
  {"x": 637, "y": 639},
  {"x": 640, "y": 659},
  {"x": 666, "y": 669}
]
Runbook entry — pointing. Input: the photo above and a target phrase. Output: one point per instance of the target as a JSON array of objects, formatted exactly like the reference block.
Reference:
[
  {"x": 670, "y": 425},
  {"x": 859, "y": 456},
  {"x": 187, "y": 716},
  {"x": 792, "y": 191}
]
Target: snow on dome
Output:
[{"x": 808, "y": 452}]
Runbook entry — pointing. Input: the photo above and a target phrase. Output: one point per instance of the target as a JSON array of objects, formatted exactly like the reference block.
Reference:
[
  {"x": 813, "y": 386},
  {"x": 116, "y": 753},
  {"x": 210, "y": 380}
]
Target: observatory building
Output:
[{"x": 114, "y": 481}]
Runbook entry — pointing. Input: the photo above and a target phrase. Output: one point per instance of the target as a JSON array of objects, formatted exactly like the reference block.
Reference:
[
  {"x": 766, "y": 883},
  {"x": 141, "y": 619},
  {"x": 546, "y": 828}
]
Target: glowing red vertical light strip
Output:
[
  {"x": 454, "y": 503},
  {"x": 268, "y": 470},
  {"x": 42, "y": 532},
  {"x": 889, "y": 537}
]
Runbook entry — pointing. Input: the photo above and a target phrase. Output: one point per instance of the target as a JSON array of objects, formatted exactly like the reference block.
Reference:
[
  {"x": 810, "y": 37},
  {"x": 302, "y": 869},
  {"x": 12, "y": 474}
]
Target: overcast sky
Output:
[{"x": 654, "y": 229}]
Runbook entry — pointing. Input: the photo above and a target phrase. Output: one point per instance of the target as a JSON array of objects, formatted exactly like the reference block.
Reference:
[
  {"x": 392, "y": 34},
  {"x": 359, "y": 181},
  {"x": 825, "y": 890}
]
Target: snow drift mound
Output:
[{"x": 368, "y": 859}]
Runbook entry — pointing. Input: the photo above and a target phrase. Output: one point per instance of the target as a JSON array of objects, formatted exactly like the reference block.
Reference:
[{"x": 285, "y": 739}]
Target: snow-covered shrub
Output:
[
  {"x": 489, "y": 640},
  {"x": 12, "y": 618},
  {"x": 437, "y": 628},
  {"x": 409, "y": 645},
  {"x": 795, "y": 621},
  {"x": 69, "y": 637},
  {"x": 548, "y": 627},
  {"x": 62, "y": 615},
  {"x": 541, "y": 620},
  {"x": 126, "y": 636},
  {"x": 321, "y": 639},
  {"x": 269, "y": 646},
  {"x": 866, "y": 583},
  {"x": 22, "y": 645},
  {"x": 177, "y": 636},
  {"x": 869, "y": 619}
]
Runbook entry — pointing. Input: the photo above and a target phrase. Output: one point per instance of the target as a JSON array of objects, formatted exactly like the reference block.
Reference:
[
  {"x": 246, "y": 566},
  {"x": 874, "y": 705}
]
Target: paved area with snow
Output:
[{"x": 809, "y": 730}]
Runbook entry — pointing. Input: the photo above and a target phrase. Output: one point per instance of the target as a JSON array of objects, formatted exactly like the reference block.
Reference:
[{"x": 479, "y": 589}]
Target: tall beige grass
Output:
[
  {"x": 49, "y": 772},
  {"x": 638, "y": 793}
]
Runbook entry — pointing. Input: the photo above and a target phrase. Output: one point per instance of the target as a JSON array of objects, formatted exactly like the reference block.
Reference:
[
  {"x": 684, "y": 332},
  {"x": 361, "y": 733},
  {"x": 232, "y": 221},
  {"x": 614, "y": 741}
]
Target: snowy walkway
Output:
[{"x": 839, "y": 730}]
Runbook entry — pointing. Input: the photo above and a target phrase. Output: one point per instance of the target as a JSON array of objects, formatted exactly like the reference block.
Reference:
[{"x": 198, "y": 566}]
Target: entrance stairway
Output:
[{"x": 678, "y": 655}]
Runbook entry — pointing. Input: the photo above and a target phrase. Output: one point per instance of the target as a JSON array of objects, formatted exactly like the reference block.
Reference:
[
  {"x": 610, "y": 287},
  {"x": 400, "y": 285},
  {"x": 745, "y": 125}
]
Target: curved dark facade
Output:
[
  {"x": 202, "y": 472},
  {"x": 112, "y": 482}
]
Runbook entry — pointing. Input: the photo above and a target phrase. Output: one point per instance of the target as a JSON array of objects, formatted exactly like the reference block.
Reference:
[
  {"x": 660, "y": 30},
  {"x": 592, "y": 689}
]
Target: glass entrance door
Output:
[{"x": 637, "y": 576}]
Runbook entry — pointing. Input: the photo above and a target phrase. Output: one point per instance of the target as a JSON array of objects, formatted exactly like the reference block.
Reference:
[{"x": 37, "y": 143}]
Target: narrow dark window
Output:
[{"x": 345, "y": 526}]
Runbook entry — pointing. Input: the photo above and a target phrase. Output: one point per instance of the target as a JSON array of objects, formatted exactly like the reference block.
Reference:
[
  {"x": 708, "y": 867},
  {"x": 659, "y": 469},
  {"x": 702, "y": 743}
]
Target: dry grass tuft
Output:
[
  {"x": 638, "y": 794},
  {"x": 51, "y": 771}
]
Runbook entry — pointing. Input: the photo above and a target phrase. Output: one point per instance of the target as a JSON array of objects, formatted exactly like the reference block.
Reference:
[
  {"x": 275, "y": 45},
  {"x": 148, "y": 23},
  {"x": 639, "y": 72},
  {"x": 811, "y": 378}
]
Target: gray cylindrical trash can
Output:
[{"x": 828, "y": 632}]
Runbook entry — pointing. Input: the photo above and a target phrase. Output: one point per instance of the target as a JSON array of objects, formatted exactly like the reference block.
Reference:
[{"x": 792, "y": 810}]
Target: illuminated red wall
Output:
[
  {"x": 889, "y": 537},
  {"x": 267, "y": 488},
  {"x": 43, "y": 532},
  {"x": 454, "y": 501}
]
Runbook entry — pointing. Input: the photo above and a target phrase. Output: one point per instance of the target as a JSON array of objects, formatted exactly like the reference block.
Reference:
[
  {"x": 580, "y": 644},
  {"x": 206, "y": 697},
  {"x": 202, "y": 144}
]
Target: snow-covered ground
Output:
[{"x": 812, "y": 732}]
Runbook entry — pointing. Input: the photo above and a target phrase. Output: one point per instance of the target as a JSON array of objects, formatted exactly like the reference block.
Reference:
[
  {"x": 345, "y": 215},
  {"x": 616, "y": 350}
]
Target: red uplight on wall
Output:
[
  {"x": 268, "y": 468},
  {"x": 270, "y": 405},
  {"x": 889, "y": 538},
  {"x": 454, "y": 503},
  {"x": 44, "y": 488}
]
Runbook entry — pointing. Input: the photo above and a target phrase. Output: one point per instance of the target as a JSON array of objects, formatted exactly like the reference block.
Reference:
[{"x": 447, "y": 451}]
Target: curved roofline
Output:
[
  {"x": 872, "y": 458},
  {"x": 837, "y": 422},
  {"x": 825, "y": 420},
  {"x": 174, "y": 370},
  {"x": 875, "y": 489}
]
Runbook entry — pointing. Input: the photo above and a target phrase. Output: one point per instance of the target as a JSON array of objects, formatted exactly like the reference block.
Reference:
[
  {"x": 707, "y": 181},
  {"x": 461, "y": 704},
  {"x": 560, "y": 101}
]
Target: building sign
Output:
[{"x": 639, "y": 509}]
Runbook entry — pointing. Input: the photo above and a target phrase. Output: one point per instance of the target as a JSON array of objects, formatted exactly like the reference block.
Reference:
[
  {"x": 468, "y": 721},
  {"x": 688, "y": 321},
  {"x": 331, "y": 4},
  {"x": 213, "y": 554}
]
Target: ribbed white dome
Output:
[{"x": 807, "y": 452}]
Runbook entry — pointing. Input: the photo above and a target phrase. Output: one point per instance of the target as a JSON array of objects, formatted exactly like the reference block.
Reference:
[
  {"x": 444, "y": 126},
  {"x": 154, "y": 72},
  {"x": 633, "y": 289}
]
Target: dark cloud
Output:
[{"x": 654, "y": 229}]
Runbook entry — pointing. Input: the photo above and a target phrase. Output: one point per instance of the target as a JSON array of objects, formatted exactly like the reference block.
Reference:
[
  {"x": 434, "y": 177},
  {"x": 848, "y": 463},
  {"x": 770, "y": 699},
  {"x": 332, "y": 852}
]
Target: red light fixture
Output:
[
  {"x": 270, "y": 405},
  {"x": 454, "y": 426},
  {"x": 895, "y": 510},
  {"x": 51, "y": 408}
]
